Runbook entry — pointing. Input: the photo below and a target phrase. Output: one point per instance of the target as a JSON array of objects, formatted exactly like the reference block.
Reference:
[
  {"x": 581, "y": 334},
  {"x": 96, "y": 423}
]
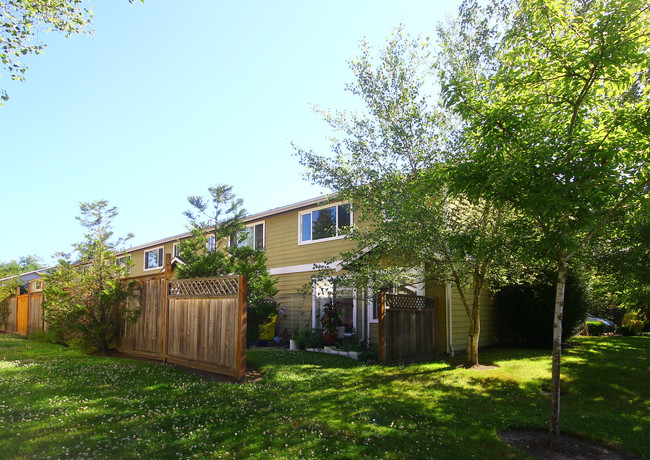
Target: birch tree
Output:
[{"x": 559, "y": 121}]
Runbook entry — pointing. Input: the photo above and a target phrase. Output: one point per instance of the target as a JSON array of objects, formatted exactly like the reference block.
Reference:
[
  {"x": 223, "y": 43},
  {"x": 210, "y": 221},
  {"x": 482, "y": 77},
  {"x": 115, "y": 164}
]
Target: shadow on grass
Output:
[{"x": 307, "y": 405}]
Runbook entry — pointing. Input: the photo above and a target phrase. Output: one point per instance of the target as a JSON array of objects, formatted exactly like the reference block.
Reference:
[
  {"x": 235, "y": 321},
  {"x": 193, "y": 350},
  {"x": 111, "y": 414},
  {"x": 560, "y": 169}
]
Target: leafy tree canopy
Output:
[
  {"x": 24, "y": 22},
  {"x": 557, "y": 120},
  {"x": 389, "y": 162},
  {"x": 86, "y": 297},
  {"x": 22, "y": 265}
]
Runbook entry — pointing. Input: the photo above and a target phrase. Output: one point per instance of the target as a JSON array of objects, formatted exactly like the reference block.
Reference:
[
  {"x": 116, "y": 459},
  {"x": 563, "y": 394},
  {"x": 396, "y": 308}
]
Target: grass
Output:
[{"x": 57, "y": 402}]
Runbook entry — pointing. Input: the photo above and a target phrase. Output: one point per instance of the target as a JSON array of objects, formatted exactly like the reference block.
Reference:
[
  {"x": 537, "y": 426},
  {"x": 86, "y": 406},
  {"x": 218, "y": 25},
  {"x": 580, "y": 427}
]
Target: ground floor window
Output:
[{"x": 344, "y": 297}]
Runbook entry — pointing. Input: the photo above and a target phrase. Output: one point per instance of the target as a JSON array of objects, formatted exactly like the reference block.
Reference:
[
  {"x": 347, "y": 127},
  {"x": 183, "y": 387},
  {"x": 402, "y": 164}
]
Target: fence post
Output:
[
  {"x": 382, "y": 327},
  {"x": 167, "y": 277},
  {"x": 242, "y": 322}
]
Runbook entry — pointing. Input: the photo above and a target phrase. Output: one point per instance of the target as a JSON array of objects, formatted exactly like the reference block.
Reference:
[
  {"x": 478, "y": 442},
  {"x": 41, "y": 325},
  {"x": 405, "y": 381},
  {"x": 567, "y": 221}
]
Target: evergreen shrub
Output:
[{"x": 527, "y": 310}]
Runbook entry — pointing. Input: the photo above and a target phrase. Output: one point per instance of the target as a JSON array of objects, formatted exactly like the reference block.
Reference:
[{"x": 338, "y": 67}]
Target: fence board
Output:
[
  {"x": 201, "y": 331},
  {"x": 11, "y": 316},
  {"x": 35, "y": 313},
  {"x": 199, "y": 323},
  {"x": 144, "y": 337},
  {"x": 22, "y": 314}
]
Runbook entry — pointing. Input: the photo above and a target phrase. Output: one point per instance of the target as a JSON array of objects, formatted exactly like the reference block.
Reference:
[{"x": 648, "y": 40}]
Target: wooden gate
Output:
[
  {"x": 22, "y": 314},
  {"x": 407, "y": 328}
]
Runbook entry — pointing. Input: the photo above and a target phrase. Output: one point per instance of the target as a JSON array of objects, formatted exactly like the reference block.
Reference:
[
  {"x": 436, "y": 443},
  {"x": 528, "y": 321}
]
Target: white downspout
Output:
[
  {"x": 363, "y": 313},
  {"x": 450, "y": 324}
]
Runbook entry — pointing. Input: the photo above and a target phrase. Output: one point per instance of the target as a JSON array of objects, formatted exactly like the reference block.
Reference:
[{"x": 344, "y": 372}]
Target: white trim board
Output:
[{"x": 301, "y": 268}]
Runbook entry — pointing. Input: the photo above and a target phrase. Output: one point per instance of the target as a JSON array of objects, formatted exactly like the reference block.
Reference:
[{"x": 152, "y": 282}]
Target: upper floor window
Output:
[
  {"x": 122, "y": 262},
  {"x": 251, "y": 237},
  {"x": 153, "y": 258},
  {"x": 210, "y": 243},
  {"x": 324, "y": 223}
]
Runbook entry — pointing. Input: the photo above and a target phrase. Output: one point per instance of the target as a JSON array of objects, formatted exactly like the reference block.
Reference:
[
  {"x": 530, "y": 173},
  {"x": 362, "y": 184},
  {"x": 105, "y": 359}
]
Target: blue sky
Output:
[{"x": 167, "y": 98}]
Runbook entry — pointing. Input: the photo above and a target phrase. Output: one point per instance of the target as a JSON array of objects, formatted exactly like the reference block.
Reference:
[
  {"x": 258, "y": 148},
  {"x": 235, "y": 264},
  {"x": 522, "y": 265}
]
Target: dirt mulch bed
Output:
[{"x": 535, "y": 443}]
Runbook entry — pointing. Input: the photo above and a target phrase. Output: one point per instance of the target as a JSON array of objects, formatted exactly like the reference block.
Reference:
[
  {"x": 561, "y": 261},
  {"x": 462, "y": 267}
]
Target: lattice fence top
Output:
[
  {"x": 412, "y": 302},
  {"x": 204, "y": 287}
]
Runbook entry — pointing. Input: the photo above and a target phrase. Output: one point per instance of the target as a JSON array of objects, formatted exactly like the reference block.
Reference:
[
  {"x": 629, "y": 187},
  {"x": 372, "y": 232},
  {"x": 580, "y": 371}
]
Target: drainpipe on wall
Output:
[
  {"x": 450, "y": 341},
  {"x": 364, "y": 306}
]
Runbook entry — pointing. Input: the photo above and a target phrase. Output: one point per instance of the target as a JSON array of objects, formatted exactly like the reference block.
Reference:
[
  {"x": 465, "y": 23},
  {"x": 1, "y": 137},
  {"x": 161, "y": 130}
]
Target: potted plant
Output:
[{"x": 330, "y": 320}]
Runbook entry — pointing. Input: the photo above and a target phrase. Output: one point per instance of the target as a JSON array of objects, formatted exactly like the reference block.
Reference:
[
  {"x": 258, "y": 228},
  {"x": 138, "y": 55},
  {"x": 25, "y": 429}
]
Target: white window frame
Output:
[
  {"x": 338, "y": 235},
  {"x": 327, "y": 284},
  {"x": 211, "y": 243},
  {"x": 175, "y": 252},
  {"x": 263, "y": 223},
  {"x": 161, "y": 250},
  {"x": 126, "y": 258}
]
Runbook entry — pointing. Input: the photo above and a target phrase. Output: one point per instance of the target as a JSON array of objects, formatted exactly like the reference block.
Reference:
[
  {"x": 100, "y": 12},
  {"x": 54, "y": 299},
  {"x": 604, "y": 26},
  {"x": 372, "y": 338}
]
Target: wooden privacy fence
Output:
[
  {"x": 199, "y": 323},
  {"x": 407, "y": 328},
  {"x": 24, "y": 314}
]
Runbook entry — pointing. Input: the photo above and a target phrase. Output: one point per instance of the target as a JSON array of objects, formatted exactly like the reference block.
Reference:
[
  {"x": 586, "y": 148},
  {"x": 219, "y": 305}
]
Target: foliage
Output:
[
  {"x": 556, "y": 121},
  {"x": 331, "y": 318},
  {"x": 636, "y": 321},
  {"x": 626, "y": 331},
  {"x": 86, "y": 297},
  {"x": 619, "y": 278},
  {"x": 527, "y": 310},
  {"x": 22, "y": 265},
  {"x": 7, "y": 289},
  {"x": 49, "y": 336},
  {"x": 387, "y": 163},
  {"x": 259, "y": 311},
  {"x": 215, "y": 223},
  {"x": 23, "y": 23},
  {"x": 330, "y": 405},
  {"x": 595, "y": 328},
  {"x": 313, "y": 338}
]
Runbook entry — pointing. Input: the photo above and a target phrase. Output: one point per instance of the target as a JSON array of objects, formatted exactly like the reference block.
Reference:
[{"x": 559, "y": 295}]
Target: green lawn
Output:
[{"x": 56, "y": 402}]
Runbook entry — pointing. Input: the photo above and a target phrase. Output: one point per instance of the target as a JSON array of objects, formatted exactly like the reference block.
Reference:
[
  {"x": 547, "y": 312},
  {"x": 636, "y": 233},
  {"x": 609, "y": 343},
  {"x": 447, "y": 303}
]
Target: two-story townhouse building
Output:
[{"x": 300, "y": 237}]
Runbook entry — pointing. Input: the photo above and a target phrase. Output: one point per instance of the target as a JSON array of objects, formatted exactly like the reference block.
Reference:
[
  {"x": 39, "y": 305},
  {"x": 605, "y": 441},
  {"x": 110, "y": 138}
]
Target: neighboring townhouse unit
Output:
[{"x": 298, "y": 238}]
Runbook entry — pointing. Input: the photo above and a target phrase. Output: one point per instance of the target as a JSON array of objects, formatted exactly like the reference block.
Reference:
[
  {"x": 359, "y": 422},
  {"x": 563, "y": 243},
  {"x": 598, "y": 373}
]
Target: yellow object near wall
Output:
[{"x": 267, "y": 331}]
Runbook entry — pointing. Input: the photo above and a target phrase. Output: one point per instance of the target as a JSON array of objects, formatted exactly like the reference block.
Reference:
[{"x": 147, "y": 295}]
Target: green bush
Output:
[
  {"x": 527, "y": 310},
  {"x": 49, "y": 336},
  {"x": 314, "y": 338},
  {"x": 627, "y": 331},
  {"x": 595, "y": 328},
  {"x": 258, "y": 313}
]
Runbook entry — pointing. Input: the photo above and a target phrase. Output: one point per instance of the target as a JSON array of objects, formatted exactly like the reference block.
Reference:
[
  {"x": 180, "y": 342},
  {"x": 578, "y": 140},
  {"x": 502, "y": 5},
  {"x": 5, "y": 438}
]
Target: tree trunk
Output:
[
  {"x": 473, "y": 337},
  {"x": 554, "y": 423}
]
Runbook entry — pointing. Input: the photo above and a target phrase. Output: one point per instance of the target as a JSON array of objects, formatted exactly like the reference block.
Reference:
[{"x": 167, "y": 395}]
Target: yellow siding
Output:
[
  {"x": 283, "y": 248},
  {"x": 460, "y": 321},
  {"x": 137, "y": 257},
  {"x": 296, "y": 304},
  {"x": 294, "y": 262}
]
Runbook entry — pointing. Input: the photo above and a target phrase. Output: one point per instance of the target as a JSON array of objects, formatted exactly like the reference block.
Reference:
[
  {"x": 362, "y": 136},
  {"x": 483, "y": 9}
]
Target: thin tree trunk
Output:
[
  {"x": 474, "y": 335},
  {"x": 554, "y": 423}
]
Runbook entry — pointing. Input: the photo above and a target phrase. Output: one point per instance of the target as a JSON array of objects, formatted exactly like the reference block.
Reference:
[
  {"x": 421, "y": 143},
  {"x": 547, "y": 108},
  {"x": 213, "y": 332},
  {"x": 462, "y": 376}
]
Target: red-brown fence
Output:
[
  {"x": 24, "y": 314},
  {"x": 407, "y": 328}
]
